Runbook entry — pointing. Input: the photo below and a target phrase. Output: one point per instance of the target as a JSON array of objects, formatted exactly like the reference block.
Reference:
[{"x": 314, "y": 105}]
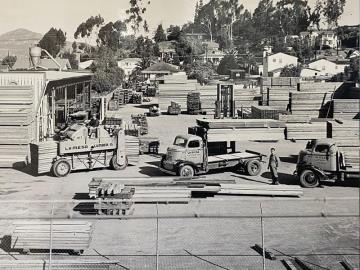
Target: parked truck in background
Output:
[
  {"x": 323, "y": 160},
  {"x": 192, "y": 154}
]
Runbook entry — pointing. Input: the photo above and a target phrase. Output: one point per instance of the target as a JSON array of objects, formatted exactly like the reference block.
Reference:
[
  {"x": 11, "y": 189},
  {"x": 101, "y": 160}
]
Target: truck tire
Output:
[
  {"x": 186, "y": 171},
  {"x": 253, "y": 167},
  {"x": 116, "y": 166},
  {"x": 61, "y": 168},
  {"x": 309, "y": 179}
]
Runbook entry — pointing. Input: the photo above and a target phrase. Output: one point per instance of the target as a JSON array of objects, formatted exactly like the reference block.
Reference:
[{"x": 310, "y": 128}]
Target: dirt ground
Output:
[{"x": 197, "y": 241}]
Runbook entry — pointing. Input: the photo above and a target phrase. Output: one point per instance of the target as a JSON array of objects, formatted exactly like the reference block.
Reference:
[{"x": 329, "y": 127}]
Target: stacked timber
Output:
[
  {"x": 265, "y": 112},
  {"x": 141, "y": 121},
  {"x": 264, "y": 190},
  {"x": 193, "y": 103},
  {"x": 174, "y": 109},
  {"x": 17, "y": 126},
  {"x": 66, "y": 235},
  {"x": 345, "y": 133},
  {"x": 319, "y": 86},
  {"x": 42, "y": 156},
  {"x": 311, "y": 104},
  {"x": 242, "y": 129},
  {"x": 112, "y": 121},
  {"x": 308, "y": 131},
  {"x": 346, "y": 109},
  {"x": 132, "y": 149}
]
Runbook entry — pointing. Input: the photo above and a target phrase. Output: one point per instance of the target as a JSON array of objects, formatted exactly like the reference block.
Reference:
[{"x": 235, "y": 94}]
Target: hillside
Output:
[{"x": 17, "y": 42}]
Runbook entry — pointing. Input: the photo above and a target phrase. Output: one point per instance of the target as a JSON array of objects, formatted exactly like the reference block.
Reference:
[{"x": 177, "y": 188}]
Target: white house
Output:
[
  {"x": 325, "y": 37},
  {"x": 275, "y": 62},
  {"x": 214, "y": 56},
  {"x": 128, "y": 65},
  {"x": 309, "y": 73},
  {"x": 327, "y": 67}
]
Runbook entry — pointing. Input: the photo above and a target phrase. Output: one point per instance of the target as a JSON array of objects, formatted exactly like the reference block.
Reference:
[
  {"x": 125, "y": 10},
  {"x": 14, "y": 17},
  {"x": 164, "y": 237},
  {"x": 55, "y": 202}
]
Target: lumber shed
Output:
[{"x": 33, "y": 104}]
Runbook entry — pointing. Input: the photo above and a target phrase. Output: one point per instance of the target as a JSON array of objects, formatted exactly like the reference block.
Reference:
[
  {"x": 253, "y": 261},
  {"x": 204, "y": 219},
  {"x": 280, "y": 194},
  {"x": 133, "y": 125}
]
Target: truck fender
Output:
[{"x": 180, "y": 164}]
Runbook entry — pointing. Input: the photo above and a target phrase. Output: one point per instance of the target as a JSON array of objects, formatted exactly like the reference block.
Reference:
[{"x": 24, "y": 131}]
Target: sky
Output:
[{"x": 40, "y": 15}]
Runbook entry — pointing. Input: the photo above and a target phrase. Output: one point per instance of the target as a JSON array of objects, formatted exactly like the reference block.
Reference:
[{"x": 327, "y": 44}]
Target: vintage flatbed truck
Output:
[
  {"x": 323, "y": 160},
  {"x": 192, "y": 154}
]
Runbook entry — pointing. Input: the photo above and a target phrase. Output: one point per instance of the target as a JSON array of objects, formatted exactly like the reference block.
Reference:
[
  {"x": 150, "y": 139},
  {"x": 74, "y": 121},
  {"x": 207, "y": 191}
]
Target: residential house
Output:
[
  {"x": 85, "y": 64},
  {"x": 128, "y": 65},
  {"x": 213, "y": 56},
  {"x": 23, "y": 63},
  {"x": 4, "y": 68},
  {"x": 197, "y": 35},
  {"x": 159, "y": 69},
  {"x": 309, "y": 73},
  {"x": 326, "y": 67},
  {"x": 274, "y": 63},
  {"x": 324, "y": 37},
  {"x": 167, "y": 49}
]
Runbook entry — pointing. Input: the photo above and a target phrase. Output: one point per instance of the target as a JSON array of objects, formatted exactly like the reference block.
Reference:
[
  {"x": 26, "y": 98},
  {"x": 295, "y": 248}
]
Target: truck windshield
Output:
[{"x": 179, "y": 141}]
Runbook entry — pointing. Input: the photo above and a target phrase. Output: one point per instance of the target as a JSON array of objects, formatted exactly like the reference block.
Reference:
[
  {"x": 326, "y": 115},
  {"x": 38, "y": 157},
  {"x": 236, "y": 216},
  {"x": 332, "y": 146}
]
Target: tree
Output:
[
  {"x": 135, "y": 15},
  {"x": 89, "y": 30},
  {"x": 159, "y": 34},
  {"x": 352, "y": 71},
  {"x": 53, "y": 41},
  {"x": 227, "y": 63},
  {"x": 110, "y": 34},
  {"x": 207, "y": 17},
  {"x": 174, "y": 32},
  {"x": 107, "y": 74},
  {"x": 203, "y": 72},
  {"x": 230, "y": 13},
  {"x": 263, "y": 18},
  {"x": 332, "y": 11},
  {"x": 74, "y": 46},
  {"x": 144, "y": 48},
  {"x": 72, "y": 59},
  {"x": 9, "y": 60},
  {"x": 290, "y": 71}
]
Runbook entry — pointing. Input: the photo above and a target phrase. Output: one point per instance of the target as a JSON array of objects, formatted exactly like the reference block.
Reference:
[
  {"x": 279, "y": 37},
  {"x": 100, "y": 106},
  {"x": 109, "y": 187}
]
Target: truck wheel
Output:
[
  {"x": 309, "y": 179},
  {"x": 253, "y": 167},
  {"x": 116, "y": 166},
  {"x": 186, "y": 171},
  {"x": 61, "y": 168}
]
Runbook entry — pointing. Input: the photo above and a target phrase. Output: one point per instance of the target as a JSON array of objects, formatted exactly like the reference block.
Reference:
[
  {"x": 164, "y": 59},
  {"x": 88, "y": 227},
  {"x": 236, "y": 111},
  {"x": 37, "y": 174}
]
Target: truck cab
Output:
[{"x": 321, "y": 159}]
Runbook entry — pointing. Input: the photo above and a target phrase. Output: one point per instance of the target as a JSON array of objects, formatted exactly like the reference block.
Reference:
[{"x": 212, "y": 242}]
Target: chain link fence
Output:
[{"x": 204, "y": 234}]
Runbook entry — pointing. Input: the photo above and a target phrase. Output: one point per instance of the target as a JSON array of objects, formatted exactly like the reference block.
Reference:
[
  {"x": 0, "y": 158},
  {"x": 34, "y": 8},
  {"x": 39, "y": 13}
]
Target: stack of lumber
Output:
[
  {"x": 174, "y": 109},
  {"x": 193, "y": 103},
  {"x": 136, "y": 98},
  {"x": 17, "y": 126},
  {"x": 345, "y": 133},
  {"x": 149, "y": 145},
  {"x": 311, "y": 104},
  {"x": 308, "y": 131},
  {"x": 265, "y": 190},
  {"x": 66, "y": 235},
  {"x": 176, "y": 92},
  {"x": 346, "y": 109},
  {"x": 319, "y": 86},
  {"x": 58, "y": 264},
  {"x": 113, "y": 105},
  {"x": 141, "y": 121},
  {"x": 242, "y": 129},
  {"x": 112, "y": 121},
  {"x": 132, "y": 130},
  {"x": 42, "y": 156},
  {"x": 121, "y": 96},
  {"x": 265, "y": 112},
  {"x": 132, "y": 149},
  {"x": 289, "y": 118}
]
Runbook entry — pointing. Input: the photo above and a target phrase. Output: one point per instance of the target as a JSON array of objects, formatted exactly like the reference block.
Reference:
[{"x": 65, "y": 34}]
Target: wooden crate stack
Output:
[
  {"x": 193, "y": 103},
  {"x": 346, "y": 109},
  {"x": 132, "y": 149},
  {"x": 136, "y": 98},
  {"x": 42, "y": 156},
  {"x": 132, "y": 129},
  {"x": 174, "y": 108},
  {"x": 121, "y": 96},
  {"x": 149, "y": 145},
  {"x": 265, "y": 112},
  {"x": 242, "y": 129},
  {"x": 17, "y": 123},
  {"x": 141, "y": 121},
  {"x": 66, "y": 235},
  {"x": 306, "y": 131},
  {"x": 113, "y": 105}
]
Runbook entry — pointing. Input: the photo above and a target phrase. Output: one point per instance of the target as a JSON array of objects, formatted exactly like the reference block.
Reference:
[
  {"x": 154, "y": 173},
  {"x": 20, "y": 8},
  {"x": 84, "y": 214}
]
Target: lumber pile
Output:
[
  {"x": 193, "y": 103},
  {"x": 242, "y": 129},
  {"x": 141, "y": 121},
  {"x": 149, "y": 145},
  {"x": 174, "y": 109},
  {"x": 265, "y": 112},
  {"x": 264, "y": 190},
  {"x": 112, "y": 121},
  {"x": 346, "y": 109},
  {"x": 42, "y": 156},
  {"x": 319, "y": 86},
  {"x": 17, "y": 126},
  {"x": 132, "y": 149},
  {"x": 58, "y": 264},
  {"x": 313, "y": 104},
  {"x": 66, "y": 235},
  {"x": 308, "y": 131}
]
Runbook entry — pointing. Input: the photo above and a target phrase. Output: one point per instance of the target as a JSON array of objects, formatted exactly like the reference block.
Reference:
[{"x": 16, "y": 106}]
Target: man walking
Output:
[{"x": 273, "y": 166}]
